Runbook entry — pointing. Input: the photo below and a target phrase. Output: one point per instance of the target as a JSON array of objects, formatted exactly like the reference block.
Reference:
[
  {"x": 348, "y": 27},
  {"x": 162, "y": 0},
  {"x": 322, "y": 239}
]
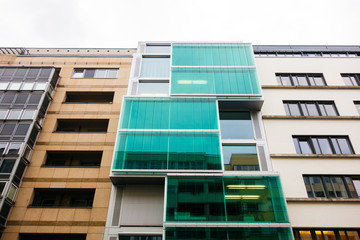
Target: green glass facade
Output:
[
  {"x": 168, "y": 150},
  {"x": 217, "y": 233},
  {"x": 225, "y": 199},
  {"x": 169, "y": 113}
]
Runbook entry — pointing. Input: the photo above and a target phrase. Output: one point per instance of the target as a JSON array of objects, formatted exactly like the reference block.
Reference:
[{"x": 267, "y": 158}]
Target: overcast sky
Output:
[{"x": 122, "y": 23}]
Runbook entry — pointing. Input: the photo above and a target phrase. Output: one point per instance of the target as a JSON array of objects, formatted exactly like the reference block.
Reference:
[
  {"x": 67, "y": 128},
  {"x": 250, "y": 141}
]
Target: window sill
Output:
[
  {"x": 311, "y": 117},
  {"x": 309, "y": 87},
  {"x": 311, "y": 156},
  {"x": 319, "y": 200}
]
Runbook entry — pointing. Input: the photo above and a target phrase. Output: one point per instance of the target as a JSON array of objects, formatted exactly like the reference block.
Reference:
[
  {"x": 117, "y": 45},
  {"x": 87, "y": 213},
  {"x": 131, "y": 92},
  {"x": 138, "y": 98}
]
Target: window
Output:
[
  {"x": 52, "y": 236},
  {"x": 322, "y": 145},
  {"x": 153, "y": 88},
  {"x": 298, "y": 79},
  {"x": 351, "y": 79},
  {"x": 94, "y": 73},
  {"x": 309, "y": 108},
  {"x": 155, "y": 68},
  {"x": 7, "y": 165},
  {"x": 236, "y": 125},
  {"x": 72, "y": 198},
  {"x": 89, "y": 97},
  {"x": 82, "y": 125},
  {"x": 357, "y": 105},
  {"x": 2, "y": 186},
  {"x": 20, "y": 100},
  {"x": 73, "y": 158},
  {"x": 139, "y": 237},
  {"x": 329, "y": 234},
  {"x": 240, "y": 158},
  {"x": 332, "y": 186},
  {"x": 158, "y": 49}
]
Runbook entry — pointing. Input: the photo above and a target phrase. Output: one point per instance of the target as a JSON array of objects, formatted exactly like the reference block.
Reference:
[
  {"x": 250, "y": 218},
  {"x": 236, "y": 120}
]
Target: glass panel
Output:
[
  {"x": 138, "y": 237},
  {"x": 153, "y": 88},
  {"x": 21, "y": 98},
  {"x": 285, "y": 80},
  {"x": 8, "y": 98},
  {"x": 312, "y": 109},
  {"x": 161, "y": 150},
  {"x": 356, "y": 183},
  {"x": 353, "y": 235},
  {"x": 319, "y": 81},
  {"x": 33, "y": 73},
  {"x": 8, "y": 129},
  {"x": 14, "y": 114},
  {"x": 22, "y": 129},
  {"x": 316, "y": 145},
  {"x": 40, "y": 86},
  {"x": 329, "y": 187},
  {"x": 207, "y": 54},
  {"x": 158, "y": 49},
  {"x": 155, "y": 67},
  {"x": 35, "y": 98},
  {"x": 246, "y": 199},
  {"x": 304, "y": 109},
  {"x": 3, "y": 114},
  {"x": 339, "y": 187},
  {"x": 7, "y": 166},
  {"x": 169, "y": 113},
  {"x": 214, "y": 81},
  {"x": 329, "y": 235},
  {"x": 344, "y": 145},
  {"x": 330, "y": 109},
  {"x": 28, "y": 85},
  {"x": 89, "y": 73},
  {"x": 236, "y": 125},
  {"x": 335, "y": 145},
  {"x": 240, "y": 158},
  {"x": 342, "y": 235},
  {"x": 294, "y": 109},
  {"x": 112, "y": 73},
  {"x": 78, "y": 73},
  {"x": 100, "y": 73},
  {"x": 309, "y": 190},
  {"x": 12, "y": 192},
  {"x": 28, "y": 114},
  {"x": 305, "y": 235},
  {"x": 317, "y": 186},
  {"x": 14, "y": 148},
  {"x": 325, "y": 145}
]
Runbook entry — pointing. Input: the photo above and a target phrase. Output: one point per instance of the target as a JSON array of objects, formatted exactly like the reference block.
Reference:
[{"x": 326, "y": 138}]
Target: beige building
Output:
[{"x": 66, "y": 187}]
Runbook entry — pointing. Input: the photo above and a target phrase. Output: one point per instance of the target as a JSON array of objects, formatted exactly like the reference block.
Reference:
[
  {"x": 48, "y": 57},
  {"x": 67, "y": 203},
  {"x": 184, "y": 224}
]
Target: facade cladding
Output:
[{"x": 181, "y": 128}]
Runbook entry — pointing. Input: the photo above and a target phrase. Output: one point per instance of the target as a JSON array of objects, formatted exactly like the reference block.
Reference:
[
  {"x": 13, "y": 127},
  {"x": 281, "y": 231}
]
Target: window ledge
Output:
[
  {"x": 312, "y": 117},
  {"x": 355, "y": 156},
  {"x": 308, "y": 87},
  {"x": 338, "y": 200}
]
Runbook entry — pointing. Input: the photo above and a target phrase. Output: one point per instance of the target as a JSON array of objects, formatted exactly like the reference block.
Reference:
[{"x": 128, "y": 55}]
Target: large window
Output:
[
  {"x": 19, "y": 100},
  {"x": 155, "y": 68},
  {"x": 236, "y": 125},
  {"x": 332, "y": 186},
  {"x": 351, "y": 79},
  {"x": 89, "y": 97},
  {"x": 322, "y": 145},
  {"x": 310, "y": 108},
  {"x": 94, "y": 73},
  {"x": 153, "y": 88},
  {"x": 326, "y": 234},
  {"x": 240, "y": 158},
  {"x": 71, "y": 198},
  {"x": 299, "y": 79}
]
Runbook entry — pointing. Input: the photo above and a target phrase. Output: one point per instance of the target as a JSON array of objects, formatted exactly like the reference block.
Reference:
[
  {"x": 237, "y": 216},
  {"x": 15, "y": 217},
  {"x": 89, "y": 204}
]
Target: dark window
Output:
[
  {"x": 94, "y": 73},
  {"x": 331, "y": 234},
  {"x": 89, "y": 97},
  {"x": 332, "y": 186},
  {"x": 2, "y": 186},
  {"x": 308, "y": 108},
  {"x": 63, "y": 197},
  {"x": 82, "y": 125},
  {"x": 7, "y": 165},
  {"x": 297, "y": 79},
  {"x": 351, "y": 79},
  {"x": 52, "y": 236},
  {"x": 71, "y": 158},
  {"x": 236, "y": 125},
  {"x": 139, "y": 237},
  {"x": 322, "y": 145}
]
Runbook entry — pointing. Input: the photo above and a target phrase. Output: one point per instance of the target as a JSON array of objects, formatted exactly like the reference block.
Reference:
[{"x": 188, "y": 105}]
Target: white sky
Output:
[{"x": 122, "y": 23}]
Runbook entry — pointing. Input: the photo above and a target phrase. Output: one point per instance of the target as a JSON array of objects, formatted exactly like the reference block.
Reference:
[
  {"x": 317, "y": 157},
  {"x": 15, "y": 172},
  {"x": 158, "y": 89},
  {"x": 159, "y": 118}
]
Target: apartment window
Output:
[
  {"x": 332, "y": 186},
  {"x": 289, "y": 79},
  {"x": 236, "y": 125},
  {"x": 240, "y": 158},
  {"x": 140, "y": 237},
  {"x": 82, "y": 125},
  {"x": 20, "y": 100},
  {"x": 153, "y": 88},
  {"x": 89, "y": 97},
  {"x": 322, "y": 145},
  {"x": 351, "y": 79},
  {"x": 7, "y": 165},
  {"x": 94, "y": 73},
  {"x": 310, "y": 108},
  {"x": 153, "y": 67},
  {"x": 357, "y": 105},
  {"x": 73, "y": 158},
  {"x": 330, "y": 234},
  {"x": 72, "y": 198},
  {"x": 52, "y": 236}
]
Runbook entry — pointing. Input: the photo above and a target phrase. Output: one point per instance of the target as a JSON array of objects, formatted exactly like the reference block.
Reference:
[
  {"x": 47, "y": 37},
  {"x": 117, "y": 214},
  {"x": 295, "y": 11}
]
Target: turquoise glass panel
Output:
[
  {"x": 214, "y": 81},
  {"x": 225, "y": 199},
  {"x": 169, "y": 113},
  {"x": 164, "y": 150},
  {"x": 207, "y": 54},
  {"x": 241, "y": 233}
]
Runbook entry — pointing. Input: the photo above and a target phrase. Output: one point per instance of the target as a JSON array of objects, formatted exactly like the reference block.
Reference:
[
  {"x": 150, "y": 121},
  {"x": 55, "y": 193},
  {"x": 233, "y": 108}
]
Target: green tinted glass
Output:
[
  {"x": 225, "y": 199},
  {"x": 212, "y": 54},
  {"x": 169, "y": 113},
  {"x": 214, "y": 81},
  {"x": 248, "y": 233},
  {"x": 164, "y": 150}
]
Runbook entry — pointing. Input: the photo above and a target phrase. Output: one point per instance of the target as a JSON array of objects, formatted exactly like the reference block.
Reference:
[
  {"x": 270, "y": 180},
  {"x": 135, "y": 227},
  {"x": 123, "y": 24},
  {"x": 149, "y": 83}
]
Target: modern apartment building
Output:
[{"x": 180, "y": 140}]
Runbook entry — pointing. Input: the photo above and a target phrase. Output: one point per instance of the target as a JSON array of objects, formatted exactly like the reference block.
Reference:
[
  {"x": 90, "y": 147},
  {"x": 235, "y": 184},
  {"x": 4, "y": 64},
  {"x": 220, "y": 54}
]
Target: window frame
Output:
[
  {"x": 318, "y": 105},
  {"x": 356, "y": 81},
  {"x": 293, "y": 78},
  {"x": 316, "y": 148}
]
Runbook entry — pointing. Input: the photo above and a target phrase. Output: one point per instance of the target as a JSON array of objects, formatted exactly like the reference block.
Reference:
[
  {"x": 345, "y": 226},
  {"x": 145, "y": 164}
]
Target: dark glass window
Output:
[
  {"x": 94, "y": 73},
  {"x": 52, "y": 236},
  {"x": 7, "y": 165},
  {"x": 351, "y": 79},
  {"x": 322, "y": 145},
  {"x": 8, "y": 129},
  {"x": 296, "y": 79},
  {"x": 89, "y": 97},
  {"x": 240, "y": 158},
  {"x": 73, "y": 158},
  {"x": 139, "y": 237},
  {"x": 22, "y": 129},
  {"x": 63, "y": 197},
  {"x": 82, "y": 125},
  {"x": 236, "y": 125},
  {"x": 35, "y": 98},
  {"x": 8, "y": 98}
]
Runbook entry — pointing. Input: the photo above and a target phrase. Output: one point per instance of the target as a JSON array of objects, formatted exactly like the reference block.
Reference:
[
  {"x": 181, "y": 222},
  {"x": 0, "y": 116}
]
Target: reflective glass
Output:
[
  {"x": 207, "y": 54},
  {"x": 14, "y": 114},
  {"x": 153, "y": 88},
  {"x": 302, "y": 81},
  {"x": 28, "y": 114},
  {"x": 339, "y": 187},
  {"x": 28, "y": 85},
  {"x": 312, "y": 109},
  {"x": 285, "y": 80},
  {"x": 330, "y": 109},
  {"x": 305, "y": 235},
  {"x": 100, "y": 73},
  {"x": 325, "y": 146},
  {"x": 158, "y": 49},
  {"x": 7, "y": 166},
  {"x": 40, "y": 86},
  {"x": 78, "y": 73},
  {"x": 2, "y": 147},
  {"x": 240, "y": 158},
  {"x": 15, "y": 86},
  {"x": 353, "y": 235},
  {"x": 3, "y": 114},
  {"x": 294, "y": 109},
  {"x": 3, "y": 85},
  {"x": 304, "y": 146},
  {"x": 214, "y": 81},
  {"x": 14, "y": 148},
  {"x": 225, "y": 199},
  {"x": 329, "y": 187},
  {"x": 169, "y": 113},
  {"x": 317, "y": 187},
  {"x": 236, "y": 125},
  {"x": 344, "y": 146},
  {"x": 163, "y": 150},
  {"x": 155, "y": 67},
  {"x": 89, "y": 73}
]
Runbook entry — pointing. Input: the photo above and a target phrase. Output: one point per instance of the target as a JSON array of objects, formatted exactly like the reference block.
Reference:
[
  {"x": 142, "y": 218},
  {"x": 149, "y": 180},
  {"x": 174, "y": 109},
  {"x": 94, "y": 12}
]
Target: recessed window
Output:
[
  {"x": 14, "y": 148},
  {"x": 140, "y": 237},
  {"x": 72, "y": 198},
  {"x": 52, "y": 236},
  {"x": 73, "y": 158},
  {"x": 351, "y": 79},
  {"x": 82, "y": 125},
  {"x": 332, "y": 186},
  {"x": 322, "y": 145},
  {"x": 329, "y": 234},
  {"x": 89, "y": 97},
  {"x": 153, "y": 88},
  {"x": 297, "y": 79},
  {"x": 7, "y": 165},
  {"x": 236, "y": 125},
  {"x": 240, "y": 158},
  {"x": 310, "y": 108},
  {"x": 94, "y": 73}
]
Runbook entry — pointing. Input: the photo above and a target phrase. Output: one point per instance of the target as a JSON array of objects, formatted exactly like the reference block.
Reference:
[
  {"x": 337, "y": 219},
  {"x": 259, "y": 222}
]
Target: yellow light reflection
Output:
[
  {"x": 242, "y": 196},
  {"x": 245, "y": 186}
]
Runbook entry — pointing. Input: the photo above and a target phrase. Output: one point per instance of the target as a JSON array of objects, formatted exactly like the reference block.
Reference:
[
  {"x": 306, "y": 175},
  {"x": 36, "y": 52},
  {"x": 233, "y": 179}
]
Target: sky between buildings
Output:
[{"x": 122, "y": 23}]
